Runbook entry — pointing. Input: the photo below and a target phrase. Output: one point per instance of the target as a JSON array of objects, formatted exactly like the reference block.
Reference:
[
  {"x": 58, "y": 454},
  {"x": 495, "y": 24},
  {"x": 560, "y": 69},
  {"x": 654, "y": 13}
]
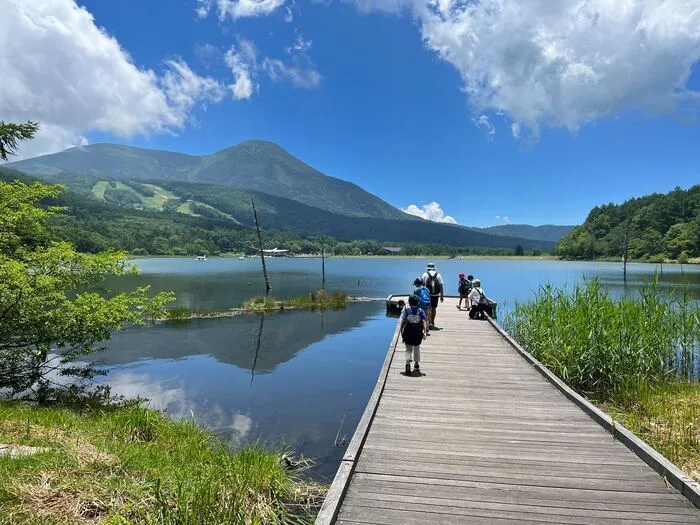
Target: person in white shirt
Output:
[
  {"x": 476, "y": 308},
  {"x": 433, "y": 281}
]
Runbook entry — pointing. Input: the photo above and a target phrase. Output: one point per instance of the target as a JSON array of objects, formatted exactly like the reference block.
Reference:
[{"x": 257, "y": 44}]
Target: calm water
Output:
[{"x": 302, "y": 378}]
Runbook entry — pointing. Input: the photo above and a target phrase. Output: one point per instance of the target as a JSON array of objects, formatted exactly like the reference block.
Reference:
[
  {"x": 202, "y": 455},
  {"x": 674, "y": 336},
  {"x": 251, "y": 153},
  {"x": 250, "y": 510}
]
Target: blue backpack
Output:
[{"x": 423, "y": 297}]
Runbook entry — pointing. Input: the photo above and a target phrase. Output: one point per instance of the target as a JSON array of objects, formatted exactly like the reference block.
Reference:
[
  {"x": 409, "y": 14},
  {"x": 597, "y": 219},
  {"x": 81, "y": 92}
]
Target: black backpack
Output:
[
  {"x": 433, "y": 284},
  {"x": 413, "y": 328}
]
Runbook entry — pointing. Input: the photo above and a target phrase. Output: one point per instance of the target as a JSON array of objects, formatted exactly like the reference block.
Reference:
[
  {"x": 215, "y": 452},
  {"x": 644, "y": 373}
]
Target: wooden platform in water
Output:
[{"x": 488, "y": 435}]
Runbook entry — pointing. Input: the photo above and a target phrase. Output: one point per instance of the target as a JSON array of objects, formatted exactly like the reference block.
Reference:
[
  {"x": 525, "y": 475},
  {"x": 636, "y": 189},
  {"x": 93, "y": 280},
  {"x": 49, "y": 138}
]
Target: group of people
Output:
[{"x": 418, "y": 317}]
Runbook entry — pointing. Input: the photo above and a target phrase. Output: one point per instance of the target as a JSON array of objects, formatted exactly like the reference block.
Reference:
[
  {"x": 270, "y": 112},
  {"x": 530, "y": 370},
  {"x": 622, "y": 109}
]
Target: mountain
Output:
[
  {"x": 657, "y": 225},
  {"x": 290, "y": 195},
  {"x": 547, "y": 232},
  {"x": 253, "y": 165},
  {"x": 233, "y": 206}
]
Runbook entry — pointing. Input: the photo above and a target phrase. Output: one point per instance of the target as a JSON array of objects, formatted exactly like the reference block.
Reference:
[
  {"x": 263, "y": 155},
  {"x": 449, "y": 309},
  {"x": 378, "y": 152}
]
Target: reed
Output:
[{"x": 604, "y": 347}]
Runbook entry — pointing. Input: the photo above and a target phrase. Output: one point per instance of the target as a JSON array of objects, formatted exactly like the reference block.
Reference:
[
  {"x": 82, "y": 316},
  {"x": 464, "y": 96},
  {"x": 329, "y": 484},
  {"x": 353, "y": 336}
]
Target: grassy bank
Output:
[
  {"x": 131, "y": 465},
  {"x": 636, "y": 357},
  {"x": 320, "y": 300}
]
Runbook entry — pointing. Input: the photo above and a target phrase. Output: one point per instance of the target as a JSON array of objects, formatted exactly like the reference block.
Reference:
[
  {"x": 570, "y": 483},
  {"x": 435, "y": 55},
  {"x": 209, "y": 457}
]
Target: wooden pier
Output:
[{"x": 489, "y": 435}]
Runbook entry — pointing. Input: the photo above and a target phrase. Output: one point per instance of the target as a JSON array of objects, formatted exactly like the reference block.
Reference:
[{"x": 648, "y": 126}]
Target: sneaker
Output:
[
  {"x": 431, "y": 326},
  {"x": 408, "y": 369},
  {"x": 416, "y": 369}
]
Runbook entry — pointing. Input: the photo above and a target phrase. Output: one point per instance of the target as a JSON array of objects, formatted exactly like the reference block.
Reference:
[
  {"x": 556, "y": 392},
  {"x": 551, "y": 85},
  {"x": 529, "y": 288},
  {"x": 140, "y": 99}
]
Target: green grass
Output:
[
  {"x": 159, "y": 198},
  {"x": 132, "y": 465},
  {"x": 667, "y": 416},
  {"x": 98, "y": 189},
  {"x": 186, "y": 208}
]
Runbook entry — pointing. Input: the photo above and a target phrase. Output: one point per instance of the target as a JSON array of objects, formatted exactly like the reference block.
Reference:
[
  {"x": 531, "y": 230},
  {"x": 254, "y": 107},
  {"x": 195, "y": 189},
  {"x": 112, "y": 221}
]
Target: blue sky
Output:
[{"x": 390, "y": 97}]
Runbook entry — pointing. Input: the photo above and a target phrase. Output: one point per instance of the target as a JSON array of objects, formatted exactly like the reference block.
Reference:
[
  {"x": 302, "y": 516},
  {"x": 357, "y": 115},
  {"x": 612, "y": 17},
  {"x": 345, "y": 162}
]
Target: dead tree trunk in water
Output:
[
  {"x": 257, "y": 348},
  {"x": 262, "y": 253},
  {"x": 323, "y": 262},
  {"x": 624, "y": 254}
]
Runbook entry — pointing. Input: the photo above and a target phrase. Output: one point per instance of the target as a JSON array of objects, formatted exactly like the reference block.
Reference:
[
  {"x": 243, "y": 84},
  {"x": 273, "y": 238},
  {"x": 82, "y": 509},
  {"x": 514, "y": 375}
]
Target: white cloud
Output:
[
  {"x": 300, "y": 70},
  {"x": 203, "y": 8},
  {"x": 483, "y": 122},
  {"x": 60, "y": 69},
  {"x": 245, "y": 8},
  {"x": 299, "y": 76},
  {"x": 505, "y": 219},
  {"x": 243, "y": 65},
  {"x": 563, "y": 63},
  {"x": 431, "y": 212}
]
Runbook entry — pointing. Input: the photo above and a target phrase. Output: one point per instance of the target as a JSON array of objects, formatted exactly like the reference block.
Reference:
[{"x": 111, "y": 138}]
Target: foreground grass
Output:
[
  {"x": 320, "y": 300},
  {"x": 667, "y": 416},
  {"x": 636, "y": 357},
  {"x": 132, "y": 465}
]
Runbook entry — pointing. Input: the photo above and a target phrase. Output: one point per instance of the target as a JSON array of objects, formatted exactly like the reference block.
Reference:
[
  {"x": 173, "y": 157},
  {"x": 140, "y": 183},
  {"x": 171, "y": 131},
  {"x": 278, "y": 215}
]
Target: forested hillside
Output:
[
  {"x": 654, "y": 226},
  {"x": 94, "y": 225},
  {"x": 546, "y": 232}
]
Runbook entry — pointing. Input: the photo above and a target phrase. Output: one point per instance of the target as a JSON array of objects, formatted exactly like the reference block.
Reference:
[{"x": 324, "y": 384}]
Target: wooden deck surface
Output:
[{"x": 483, "y": 437}]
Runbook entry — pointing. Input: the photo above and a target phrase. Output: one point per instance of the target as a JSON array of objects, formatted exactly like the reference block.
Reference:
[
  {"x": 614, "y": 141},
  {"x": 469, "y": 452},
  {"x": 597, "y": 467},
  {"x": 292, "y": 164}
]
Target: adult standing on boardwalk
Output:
[{"x": 433, "y": 281}]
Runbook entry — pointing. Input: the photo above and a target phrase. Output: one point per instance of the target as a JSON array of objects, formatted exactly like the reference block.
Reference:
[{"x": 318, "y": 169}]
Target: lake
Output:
[{"x": 302, "y": 378}]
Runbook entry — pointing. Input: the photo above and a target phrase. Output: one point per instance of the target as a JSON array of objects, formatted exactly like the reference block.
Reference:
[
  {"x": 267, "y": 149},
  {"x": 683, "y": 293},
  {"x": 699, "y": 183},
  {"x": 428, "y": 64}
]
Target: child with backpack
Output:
[
  {"x": 463, "y": 288},
  {"x": 413, "y": 329},
  {"x": 423, "y": 294}
]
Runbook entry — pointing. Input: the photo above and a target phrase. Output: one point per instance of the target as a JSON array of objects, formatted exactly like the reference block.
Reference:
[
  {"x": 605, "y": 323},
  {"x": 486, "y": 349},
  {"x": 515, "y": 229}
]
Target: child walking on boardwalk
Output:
[{"x": 413, "y": 329}]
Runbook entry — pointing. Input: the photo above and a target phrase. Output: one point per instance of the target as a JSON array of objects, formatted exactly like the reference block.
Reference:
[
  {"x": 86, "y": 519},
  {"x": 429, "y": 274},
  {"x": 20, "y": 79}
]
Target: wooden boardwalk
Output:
[{"x": 486, "y": 436}]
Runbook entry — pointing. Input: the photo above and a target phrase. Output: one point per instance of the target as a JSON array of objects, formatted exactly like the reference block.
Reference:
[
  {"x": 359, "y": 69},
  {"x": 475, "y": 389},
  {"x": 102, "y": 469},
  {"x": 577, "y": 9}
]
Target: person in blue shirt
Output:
[
  {"x": 423, "y": 294},
  {"x": 413, "y": 330}
]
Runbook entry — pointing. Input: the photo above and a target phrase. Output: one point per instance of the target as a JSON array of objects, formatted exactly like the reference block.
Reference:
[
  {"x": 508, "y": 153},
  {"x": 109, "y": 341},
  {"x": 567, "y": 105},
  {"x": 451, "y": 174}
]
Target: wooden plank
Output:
[
  {"x": 527, "y": 496},
  {"x": 672, "y": 498},
  {"x": 460, "y": 510}
]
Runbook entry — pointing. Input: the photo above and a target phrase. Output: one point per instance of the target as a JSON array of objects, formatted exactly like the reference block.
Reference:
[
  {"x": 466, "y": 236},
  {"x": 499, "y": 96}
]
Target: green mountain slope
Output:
[
  {"x": 655, "y": 225},
  {"x": 234, "y": 205},
  {"x": 254, "y": 165},
  {"x": 547, "y": 232},
  {"x": 224, "y": 223}
]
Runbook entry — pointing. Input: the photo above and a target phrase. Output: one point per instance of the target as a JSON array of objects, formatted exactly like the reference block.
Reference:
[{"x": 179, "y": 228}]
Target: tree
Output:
[
  {"x": 519, "y": 250},
  {"x": 681, "y": 237},
  {"x": 50, "y": 311},
  {"x": 659, "y": 258},
  {"x": 12, "y": 134}
]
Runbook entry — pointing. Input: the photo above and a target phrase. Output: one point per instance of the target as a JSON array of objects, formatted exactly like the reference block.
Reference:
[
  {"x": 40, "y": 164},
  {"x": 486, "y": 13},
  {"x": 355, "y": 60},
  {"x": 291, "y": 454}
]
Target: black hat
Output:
[{"x": 417, "y": 281}]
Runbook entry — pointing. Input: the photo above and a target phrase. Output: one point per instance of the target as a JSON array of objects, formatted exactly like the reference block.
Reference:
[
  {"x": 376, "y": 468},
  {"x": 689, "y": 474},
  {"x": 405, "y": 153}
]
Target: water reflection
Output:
[{"x": 288, "y": 378}]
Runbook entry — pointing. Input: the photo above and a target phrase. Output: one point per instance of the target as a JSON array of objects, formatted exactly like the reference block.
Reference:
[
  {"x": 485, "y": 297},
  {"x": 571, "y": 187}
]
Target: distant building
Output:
[
  {"x": 392, "y": 250},
  {"x": 276, "y": 252}
]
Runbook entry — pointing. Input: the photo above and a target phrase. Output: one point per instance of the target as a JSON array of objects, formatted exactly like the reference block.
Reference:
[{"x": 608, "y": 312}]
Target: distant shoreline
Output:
[{"x": 694, "y": 261}]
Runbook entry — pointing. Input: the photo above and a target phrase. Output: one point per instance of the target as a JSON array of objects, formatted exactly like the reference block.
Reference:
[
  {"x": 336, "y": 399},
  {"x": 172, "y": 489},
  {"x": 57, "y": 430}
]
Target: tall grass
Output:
[
  {"x": 131, "y": 465},
  {"x": 605, "y": 347}
]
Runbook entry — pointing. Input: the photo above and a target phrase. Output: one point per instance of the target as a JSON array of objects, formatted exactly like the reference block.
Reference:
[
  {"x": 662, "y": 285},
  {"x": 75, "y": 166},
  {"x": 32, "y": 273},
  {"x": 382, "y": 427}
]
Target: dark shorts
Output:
[{"x": 434, "y": 300}]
